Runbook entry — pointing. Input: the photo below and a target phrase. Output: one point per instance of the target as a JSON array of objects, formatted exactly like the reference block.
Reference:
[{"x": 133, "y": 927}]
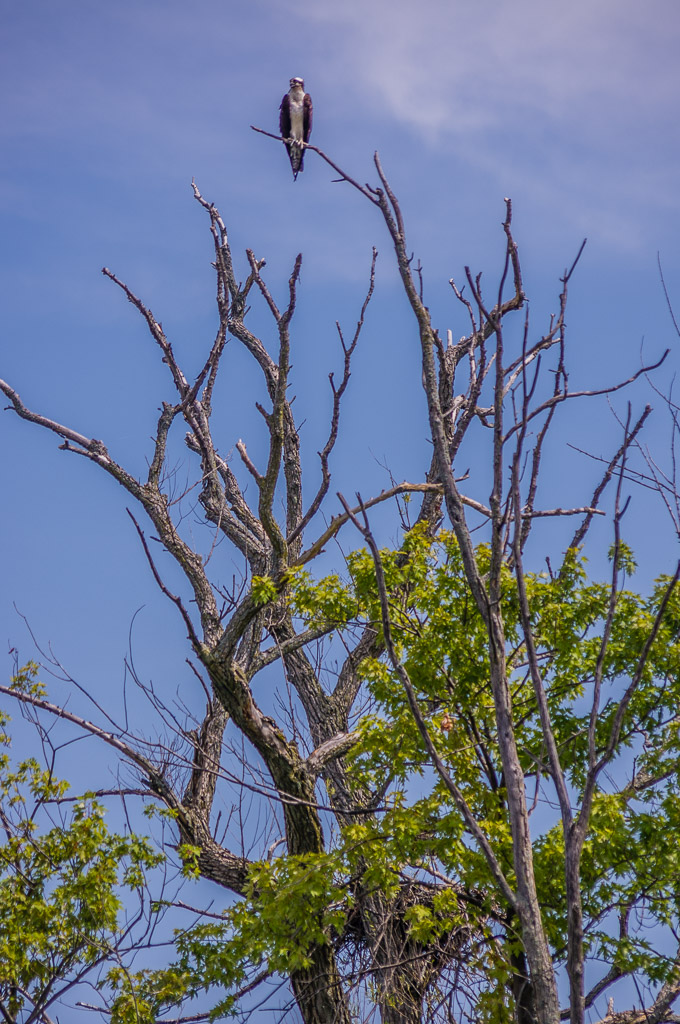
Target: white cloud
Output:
[
  {"x": 447, "y": 66},
  {"x": 574, "y": 104}
]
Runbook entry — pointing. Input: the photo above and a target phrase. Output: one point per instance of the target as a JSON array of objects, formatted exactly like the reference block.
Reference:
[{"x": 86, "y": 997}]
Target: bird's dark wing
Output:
[
  {"x": 284, "y": 117},
  {"x": 307, "y": 118}
]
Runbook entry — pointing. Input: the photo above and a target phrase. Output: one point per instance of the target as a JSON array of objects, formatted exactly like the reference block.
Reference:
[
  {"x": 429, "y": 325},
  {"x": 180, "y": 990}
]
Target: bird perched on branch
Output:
[{"x": 295, "y": 122}]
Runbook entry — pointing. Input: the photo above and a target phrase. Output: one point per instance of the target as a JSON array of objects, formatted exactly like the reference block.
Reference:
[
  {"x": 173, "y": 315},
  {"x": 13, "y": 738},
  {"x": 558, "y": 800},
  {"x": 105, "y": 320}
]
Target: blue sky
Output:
[{"x": 109, "y": 112}]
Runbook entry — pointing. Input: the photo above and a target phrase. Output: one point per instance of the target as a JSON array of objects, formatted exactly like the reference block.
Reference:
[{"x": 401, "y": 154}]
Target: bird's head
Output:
[{"x": 297, "y": 82}]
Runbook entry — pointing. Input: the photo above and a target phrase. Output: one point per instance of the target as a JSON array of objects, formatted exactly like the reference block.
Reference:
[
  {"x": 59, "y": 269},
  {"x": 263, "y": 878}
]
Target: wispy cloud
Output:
[
  {"x": 573, "y": 103},
  {"x": 447, "y": 67}
]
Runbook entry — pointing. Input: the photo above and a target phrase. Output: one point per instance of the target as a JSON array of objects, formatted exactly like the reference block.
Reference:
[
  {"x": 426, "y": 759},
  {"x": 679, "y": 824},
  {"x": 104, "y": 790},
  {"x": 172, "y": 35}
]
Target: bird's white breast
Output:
[{"x": 297, "y": 117}]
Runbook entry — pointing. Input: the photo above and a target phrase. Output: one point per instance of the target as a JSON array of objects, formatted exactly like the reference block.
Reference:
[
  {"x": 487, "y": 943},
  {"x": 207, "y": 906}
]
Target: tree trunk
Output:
[{"x": 318, "y": 990}]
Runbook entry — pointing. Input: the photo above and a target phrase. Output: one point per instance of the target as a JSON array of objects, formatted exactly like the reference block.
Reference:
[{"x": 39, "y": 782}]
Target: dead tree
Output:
[{"x": 237, "y": 636}]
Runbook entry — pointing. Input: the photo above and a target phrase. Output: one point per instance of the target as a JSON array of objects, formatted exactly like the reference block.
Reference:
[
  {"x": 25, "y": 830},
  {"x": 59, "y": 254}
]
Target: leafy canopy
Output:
[
  {"x": 63, "y": 876},
  {"x": 441, "y": 639}
]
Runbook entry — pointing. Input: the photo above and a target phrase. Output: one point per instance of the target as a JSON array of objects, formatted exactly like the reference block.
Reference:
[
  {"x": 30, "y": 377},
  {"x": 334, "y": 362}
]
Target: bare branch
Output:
[
  {"x": 365, "y": 191},
  {"x": 337, "y": 746},
  {"x": 191, "y": 633},
  {"x": 338, "y": 392}
]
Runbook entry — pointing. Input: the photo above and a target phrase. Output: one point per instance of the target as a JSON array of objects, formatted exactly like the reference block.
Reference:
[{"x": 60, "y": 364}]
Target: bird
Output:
[{"x": 295, "y": 122}]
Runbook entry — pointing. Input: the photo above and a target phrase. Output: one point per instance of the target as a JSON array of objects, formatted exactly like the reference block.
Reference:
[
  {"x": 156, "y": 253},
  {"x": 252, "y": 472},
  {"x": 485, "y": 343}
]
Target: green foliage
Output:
[
  {"x": 140, "y": 995},
  {"x": 62, "y": 875},
  {"x": 189, "y": 856},
  {"x": 263, "y": 589},
  {"x": 441, "y": 639},
  {"x": 290, "y": 905},
  {"x": 26, "y": 680},
  {"x": 329, "y": 601},
  {"x": 294, "y": 903}
]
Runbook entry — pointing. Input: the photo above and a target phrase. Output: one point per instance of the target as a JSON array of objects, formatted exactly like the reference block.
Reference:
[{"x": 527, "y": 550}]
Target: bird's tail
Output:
[{"x": 297, "y": 160}]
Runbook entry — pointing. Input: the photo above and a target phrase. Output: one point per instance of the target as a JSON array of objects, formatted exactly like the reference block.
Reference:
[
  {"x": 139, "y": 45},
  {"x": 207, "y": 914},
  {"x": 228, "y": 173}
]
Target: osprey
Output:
[{"x": 295, "y": 122}]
